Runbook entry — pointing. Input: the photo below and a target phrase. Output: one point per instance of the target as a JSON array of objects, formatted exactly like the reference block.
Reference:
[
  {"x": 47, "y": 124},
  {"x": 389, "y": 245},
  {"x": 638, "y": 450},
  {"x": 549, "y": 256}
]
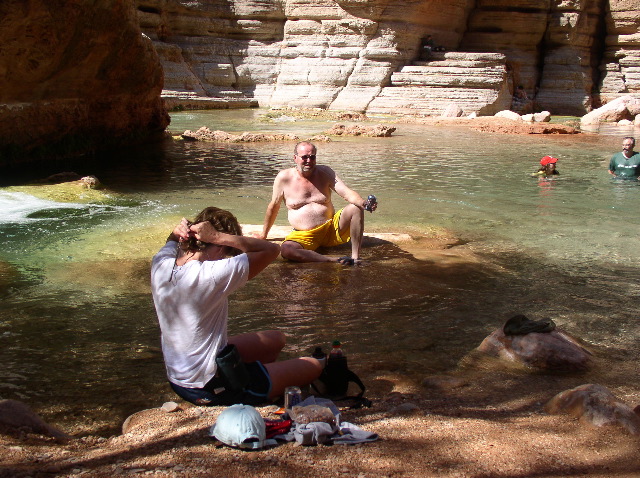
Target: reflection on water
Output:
[{"x": 78, "y": 337}]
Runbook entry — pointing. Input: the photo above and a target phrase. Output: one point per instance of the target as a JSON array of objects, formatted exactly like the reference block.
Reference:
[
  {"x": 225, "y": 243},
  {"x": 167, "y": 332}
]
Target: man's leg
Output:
[
  {"x": 295, "y": 252},
  {"x": 264, "y": 346},
  {"x": 301, "y": 372},
  {"x": 352, "y": 217}
]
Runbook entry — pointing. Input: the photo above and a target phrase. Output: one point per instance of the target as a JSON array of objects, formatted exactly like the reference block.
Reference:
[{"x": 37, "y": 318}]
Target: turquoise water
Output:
[{"x": 78, "y": 337}]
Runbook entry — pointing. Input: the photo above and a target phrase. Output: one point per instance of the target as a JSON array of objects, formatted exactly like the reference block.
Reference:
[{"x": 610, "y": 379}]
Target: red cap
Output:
[{"x": 548, "y": 159}]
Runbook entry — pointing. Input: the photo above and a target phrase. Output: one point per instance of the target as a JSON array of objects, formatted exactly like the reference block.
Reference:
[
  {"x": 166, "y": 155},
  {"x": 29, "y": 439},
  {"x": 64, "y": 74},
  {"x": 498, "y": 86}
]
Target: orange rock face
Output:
[{"x": 74, "y": 75}]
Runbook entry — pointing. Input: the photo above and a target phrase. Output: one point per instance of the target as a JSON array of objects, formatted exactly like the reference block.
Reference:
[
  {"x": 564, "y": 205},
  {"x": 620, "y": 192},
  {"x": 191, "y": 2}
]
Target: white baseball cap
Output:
[{"x": 241, "y": 426}]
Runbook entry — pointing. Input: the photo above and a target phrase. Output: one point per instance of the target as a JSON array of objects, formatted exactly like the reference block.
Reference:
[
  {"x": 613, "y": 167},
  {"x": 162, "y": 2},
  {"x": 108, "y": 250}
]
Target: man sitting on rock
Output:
[{"x": 306, "y": 191}]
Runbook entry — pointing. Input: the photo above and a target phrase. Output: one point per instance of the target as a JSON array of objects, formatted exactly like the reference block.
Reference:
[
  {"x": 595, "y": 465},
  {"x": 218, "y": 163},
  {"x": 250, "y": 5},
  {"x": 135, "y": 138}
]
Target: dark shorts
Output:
[{"x": 256, "y": 393}]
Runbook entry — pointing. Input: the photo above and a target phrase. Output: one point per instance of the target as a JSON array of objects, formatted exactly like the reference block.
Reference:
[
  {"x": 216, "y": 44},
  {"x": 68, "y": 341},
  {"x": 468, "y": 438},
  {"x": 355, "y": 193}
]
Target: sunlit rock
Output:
[
  {"x": 452, "y": 111},
  {"x": 623, "y": 107},
  {"x": 507, "y": 114},
  {"x": 542, "y": 117},
  {"x": 596, "y": 405}
]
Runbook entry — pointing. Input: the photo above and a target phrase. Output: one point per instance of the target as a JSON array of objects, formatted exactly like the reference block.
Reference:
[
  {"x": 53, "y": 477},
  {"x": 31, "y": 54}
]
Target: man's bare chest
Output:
[{"x": 299, "y": 193}]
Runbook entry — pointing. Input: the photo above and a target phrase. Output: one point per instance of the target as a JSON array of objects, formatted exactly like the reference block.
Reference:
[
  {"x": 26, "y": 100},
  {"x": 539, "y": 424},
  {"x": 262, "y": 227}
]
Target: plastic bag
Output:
[{"x": 313, "y": 413}]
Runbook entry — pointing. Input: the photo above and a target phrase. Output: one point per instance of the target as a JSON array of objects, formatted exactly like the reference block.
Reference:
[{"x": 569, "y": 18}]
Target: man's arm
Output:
[
  {"x": 347, "y": 193},
  {"x": 181, "y": 231},
  {"x": 261, "y": 253},
  {"x": 274, "y": 206},
  {"x": 612, "y": 166}
]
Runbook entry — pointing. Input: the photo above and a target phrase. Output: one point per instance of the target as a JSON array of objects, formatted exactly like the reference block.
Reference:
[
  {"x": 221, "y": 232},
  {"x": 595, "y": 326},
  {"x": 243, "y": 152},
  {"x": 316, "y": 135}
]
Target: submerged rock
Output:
[
  {"x": 16, "y": 418},
  {"x": 205, "y": 134},
  {"x": 377, "y": 131},
  {"x": 596, "y": 405}
]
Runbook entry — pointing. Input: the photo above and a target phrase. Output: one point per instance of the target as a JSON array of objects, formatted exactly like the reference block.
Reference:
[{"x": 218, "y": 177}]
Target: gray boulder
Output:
[{"x": 555, "y": 350}]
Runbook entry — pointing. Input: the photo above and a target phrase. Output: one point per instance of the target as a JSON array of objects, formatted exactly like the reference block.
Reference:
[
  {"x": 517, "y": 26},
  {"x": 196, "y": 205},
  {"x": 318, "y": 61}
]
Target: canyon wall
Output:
[
  {"x": 75, "y": 75},
  {"x": 364, "y": 55},
  {"x": 78, "y": 74}
]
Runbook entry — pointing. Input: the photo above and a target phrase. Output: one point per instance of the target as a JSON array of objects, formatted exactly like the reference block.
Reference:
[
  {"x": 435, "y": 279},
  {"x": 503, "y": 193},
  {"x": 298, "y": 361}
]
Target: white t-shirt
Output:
[{"x": 192, "y": 311}]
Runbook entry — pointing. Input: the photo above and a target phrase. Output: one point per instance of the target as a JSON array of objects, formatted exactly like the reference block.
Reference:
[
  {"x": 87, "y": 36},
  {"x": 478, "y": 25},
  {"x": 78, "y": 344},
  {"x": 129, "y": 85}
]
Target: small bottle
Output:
[
  {"x": 336, "y": 349},
  {"x": 371, "y": 200},
  {"x": 320, "y": 356}
]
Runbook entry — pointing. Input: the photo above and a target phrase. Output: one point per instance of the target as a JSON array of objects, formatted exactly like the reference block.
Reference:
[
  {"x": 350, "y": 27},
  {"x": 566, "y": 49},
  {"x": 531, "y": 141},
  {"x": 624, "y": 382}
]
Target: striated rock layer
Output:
[
  {"x": 365, "y": 55},
  {"x": 74, "y": 75}
]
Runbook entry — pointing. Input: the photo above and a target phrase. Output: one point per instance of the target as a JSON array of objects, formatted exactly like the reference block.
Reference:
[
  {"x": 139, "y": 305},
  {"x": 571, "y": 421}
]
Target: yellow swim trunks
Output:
[{"x": 327, "y": 235}]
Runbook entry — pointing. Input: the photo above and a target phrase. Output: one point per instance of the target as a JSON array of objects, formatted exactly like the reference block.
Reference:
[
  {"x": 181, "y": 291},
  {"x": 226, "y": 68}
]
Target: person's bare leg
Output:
[
  {"x": 301, "y": 372},
  {"x": 264, "y": 346},
  {"x": 352, "y": 217},
  {"x": 295, "y": 252}
]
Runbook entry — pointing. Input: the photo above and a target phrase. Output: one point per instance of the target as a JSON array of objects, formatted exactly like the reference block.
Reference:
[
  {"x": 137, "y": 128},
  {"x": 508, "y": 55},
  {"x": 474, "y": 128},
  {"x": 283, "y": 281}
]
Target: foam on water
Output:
[{"x": 19, "y": 207}]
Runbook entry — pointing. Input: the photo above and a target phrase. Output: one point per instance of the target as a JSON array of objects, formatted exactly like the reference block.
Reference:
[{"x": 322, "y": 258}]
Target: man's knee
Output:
[
  {"x": 354, "y": 211},
  {"x": 277, "y": 338},
  {"x": 288, "y": 249}
]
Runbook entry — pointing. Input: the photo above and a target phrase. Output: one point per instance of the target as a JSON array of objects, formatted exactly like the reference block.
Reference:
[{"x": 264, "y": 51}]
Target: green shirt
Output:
[{"x": 623, "y": 167}]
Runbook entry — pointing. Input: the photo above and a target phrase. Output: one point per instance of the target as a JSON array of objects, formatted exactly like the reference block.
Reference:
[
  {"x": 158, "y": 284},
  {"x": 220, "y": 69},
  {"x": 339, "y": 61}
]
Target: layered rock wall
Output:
[
  {"x": 620, "y": 66},
  {"x": 74, "y": 75},
  {"x": 552, "y": 47},
  {"x": 343, "y": 54},
  {"x": 302, "y": 53}
]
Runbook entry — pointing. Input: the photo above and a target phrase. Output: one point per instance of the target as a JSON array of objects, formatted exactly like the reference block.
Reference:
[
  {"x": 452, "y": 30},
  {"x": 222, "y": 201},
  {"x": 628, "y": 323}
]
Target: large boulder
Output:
[
  {"x": 596, "y": 405},
  {"x": 622, "y": 108},
  {"x": 75, "y": 76},
  {"x": 553, "y": 351}
]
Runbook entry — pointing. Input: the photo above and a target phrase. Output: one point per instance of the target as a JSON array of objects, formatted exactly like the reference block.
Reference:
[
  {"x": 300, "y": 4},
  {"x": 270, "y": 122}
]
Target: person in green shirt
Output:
[{"x": 626, "y": 164}]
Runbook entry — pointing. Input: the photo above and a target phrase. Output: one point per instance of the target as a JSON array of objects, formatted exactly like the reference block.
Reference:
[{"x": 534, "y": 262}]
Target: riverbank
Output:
[{"x": 476, "y": 423}]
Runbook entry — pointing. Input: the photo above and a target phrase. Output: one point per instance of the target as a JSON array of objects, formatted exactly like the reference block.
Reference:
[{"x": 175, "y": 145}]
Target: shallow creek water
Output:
[{"x": 79, "y": 340}]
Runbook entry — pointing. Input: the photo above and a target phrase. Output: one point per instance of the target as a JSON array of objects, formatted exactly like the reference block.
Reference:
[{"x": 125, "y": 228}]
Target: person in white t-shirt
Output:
[{"x": 192, "y": 276}]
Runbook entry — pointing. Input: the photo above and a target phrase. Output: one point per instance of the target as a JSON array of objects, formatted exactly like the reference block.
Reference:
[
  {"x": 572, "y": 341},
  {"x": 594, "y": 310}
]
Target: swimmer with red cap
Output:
[{"x": 547, "y": 167}]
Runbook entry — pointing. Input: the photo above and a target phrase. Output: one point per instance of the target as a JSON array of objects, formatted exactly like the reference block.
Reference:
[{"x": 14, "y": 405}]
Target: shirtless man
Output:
[{"x": 306, "y": 190}]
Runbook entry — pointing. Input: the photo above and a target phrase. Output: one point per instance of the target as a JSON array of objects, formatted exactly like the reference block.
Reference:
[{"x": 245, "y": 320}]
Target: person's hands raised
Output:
[{"x": 205, "y": 232}]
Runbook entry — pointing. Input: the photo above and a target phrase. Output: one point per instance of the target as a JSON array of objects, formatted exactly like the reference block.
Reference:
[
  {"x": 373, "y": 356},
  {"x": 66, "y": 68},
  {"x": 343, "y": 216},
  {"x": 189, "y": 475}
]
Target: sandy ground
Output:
[{"x": 473, "y": 423}]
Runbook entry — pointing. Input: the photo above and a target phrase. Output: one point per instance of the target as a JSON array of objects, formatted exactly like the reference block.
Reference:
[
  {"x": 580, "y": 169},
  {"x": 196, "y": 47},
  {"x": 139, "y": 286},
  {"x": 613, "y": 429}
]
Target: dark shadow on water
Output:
[{"x": 86, "y": 359}]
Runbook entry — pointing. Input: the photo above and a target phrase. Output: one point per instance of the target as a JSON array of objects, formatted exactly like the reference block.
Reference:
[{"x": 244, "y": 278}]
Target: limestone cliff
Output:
[
  {"x": 74, "y": 75},
  {"x": 363, "y": 55}
]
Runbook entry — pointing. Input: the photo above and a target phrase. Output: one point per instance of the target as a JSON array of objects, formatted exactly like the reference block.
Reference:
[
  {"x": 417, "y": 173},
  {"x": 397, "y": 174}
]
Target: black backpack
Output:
[{"x": 334, "y": 381}]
